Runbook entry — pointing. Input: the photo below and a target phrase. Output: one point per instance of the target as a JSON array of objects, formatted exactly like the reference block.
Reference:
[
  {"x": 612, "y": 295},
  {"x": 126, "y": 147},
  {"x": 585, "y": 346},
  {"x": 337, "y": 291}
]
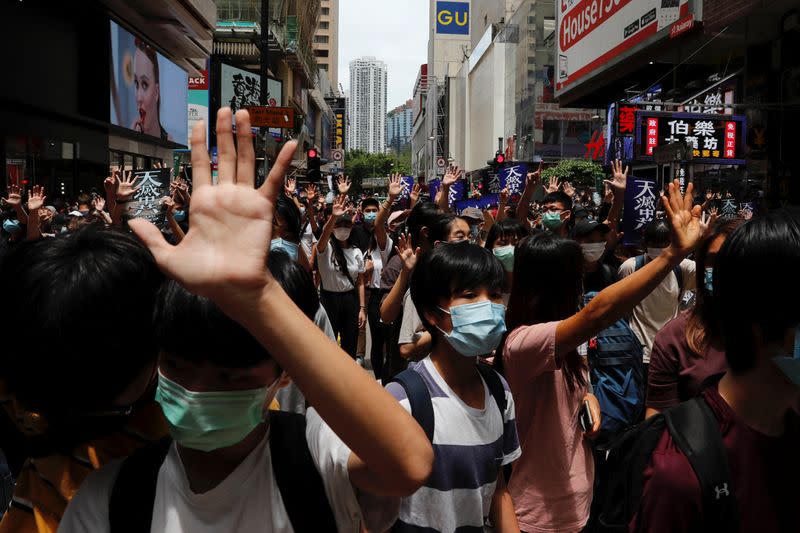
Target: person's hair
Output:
[
  {"x": 505, "y": 228},
  {"x": 701, "y": 328},
  {"x": 150, "y": 53},
  {"x": 296, "y": 282},
  {"x": 558, "y": 197},
  {"x": 756, "y": 288},
  {"x": 550, "y": 290},
  {"x": 440, "y": 230},
  {"x": 657, "y": 232},
  {"x": 82, "y": 308},
  {"x": 291, "y": 216},
  {"x": 449, "y": 269},
  {"x": 370, "y": 202},
  {"x": 423, "y": 215},
  {"x": 83, "y": 199}
]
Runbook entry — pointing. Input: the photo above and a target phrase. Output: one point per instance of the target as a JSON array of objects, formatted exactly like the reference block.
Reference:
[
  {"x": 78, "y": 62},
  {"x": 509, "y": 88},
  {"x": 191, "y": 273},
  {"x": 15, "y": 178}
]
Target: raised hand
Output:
[
  {"x": 99, "y": 203},
  {"x": 407, "y": 252},
  {"x": 553, "y": 185},
  {"x": 504, "y": 196},
  {"x": 707, "y": 222},
  {"x": 36, "y": 199},
  {"x": 745, "y": 214},
  {"x": 414, "y": 194},
  {"x": 224, "y": 254},
  {"x": 169, "y": 203},
  {"x": 311, "y": 193},
  {"x": 687, "y": 227},
  {"x": 111, "y": 183},
  {"x": 126, "y": 190},
  {"x": 14, "y": 196},
  {"x": 713, "y": 211},
  {"x": 344, "y": 184},
  {"x": 453, "y": 175},
  {"x": 339, "y": 206},
  {"x": 619, "y": 180},
  {"x": 569, "y": 190},
  {"x": 395, "y": 186},
  {"x": 290, "y": 187},
  {"x": 533, "y": 177}
]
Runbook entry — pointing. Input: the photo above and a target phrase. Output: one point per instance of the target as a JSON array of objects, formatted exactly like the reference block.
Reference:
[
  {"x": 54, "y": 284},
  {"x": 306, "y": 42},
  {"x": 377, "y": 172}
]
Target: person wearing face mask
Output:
[
  {"x": 556, "y": 213},
  {"x": 501, "y": 240},
  {"x": 474, "y": 218},
  {"x": 663, "y": 304},
  {"x": 689, "y": 349},
  {"x": 287, "y": 228},
  {"x": 591, "y": 235},
  {"x": 457, "y": 290},
  {"x": 751, "y": 404},
  {"x": 341, "y": 269}
]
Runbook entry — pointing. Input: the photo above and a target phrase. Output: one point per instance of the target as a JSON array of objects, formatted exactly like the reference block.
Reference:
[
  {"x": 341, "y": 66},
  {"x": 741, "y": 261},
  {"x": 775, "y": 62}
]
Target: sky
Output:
[{"x": 395, "y": 32}]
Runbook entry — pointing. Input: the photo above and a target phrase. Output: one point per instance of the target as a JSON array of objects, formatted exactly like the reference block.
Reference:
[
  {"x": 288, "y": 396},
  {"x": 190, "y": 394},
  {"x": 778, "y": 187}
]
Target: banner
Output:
[
  {"x": 457, "y": 192},
  {"x": 641, "y": 204},
  {"x": 513, "y": 178},
  {"x": 153, "y": 186}
]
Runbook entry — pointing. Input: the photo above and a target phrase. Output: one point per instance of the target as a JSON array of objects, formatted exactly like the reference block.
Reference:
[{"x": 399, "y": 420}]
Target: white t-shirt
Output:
[
  {"x": 307, "y": 241},
  {"x": 332, "y": 278},
  {"x": 661, "y": 305},
  {"x": 379, "y": 258},
  {"x": 247, "y": 500},
  {"x": 411, "y": 327}
]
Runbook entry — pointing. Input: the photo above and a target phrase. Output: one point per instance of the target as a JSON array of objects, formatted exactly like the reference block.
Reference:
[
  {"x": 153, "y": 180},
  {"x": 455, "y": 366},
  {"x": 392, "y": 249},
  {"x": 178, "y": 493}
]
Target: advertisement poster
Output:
[
  {"x": 596, "y": 34},
  {"x": 149, "y": 93},
  {"x": 713, "y": 139},
  {"x": 198, "y": 102},
  {"x": 241, "y": 88},
  {"x": 452, "y": 18}
]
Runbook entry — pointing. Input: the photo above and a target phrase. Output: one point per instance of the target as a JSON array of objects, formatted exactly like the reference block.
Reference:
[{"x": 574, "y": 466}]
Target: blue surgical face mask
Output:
[
  {"x": 179, "y": 215},
  {"x": 506, "y": 256},
  {"x": 370, "y": 217},
  {"x": 289, "y": 247},
  {"x": 12, "y": 226},
  {"x": 208, "y": 421},
  {"x": 477, "y": 327},
  {"x": 709, "y": 280},
  {"x": 552, "y": 221},
  {"x": 790, "y": 366},
  {"x": 474, "y": 231}
]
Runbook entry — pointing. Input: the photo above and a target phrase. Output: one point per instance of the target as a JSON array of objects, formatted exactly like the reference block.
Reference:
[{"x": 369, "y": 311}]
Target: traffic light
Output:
[
  {"x": 312, "y": 165},
  {"x": 498, "y": 161}
]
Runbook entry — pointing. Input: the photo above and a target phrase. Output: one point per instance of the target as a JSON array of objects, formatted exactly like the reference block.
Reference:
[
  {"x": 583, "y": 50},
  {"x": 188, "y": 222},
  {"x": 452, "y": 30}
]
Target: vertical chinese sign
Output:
[
  {"x": 152, "y": 186},
  {"x": 652, "y": 135},
  {"x": 641, "y": 202}
]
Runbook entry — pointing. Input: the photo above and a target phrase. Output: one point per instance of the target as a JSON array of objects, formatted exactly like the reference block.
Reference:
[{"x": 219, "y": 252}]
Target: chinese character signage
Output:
[
  {"x": 641, "y": 203},
  {"x": 452, "y": 18},
  {"x": 152, "y": 186},
  {"x": 513, "y": 178},
  {"x": 240, "y": 89},
  {"x": 713, "y": 139},
  {"x": 626, "y": 121}
]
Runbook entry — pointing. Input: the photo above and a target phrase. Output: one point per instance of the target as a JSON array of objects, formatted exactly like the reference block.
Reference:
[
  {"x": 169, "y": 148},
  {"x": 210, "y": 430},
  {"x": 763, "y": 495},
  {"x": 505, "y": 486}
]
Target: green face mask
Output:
[
  {"x": 552, "y": 221},
  {"x": 208, "y": 421},
  {"x": 506, "y": 256}
]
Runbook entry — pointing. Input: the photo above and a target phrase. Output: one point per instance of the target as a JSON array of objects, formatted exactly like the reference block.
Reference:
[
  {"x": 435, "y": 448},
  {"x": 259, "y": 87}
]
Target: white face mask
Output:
[
  {"x": 593, "y": 251},
  {"x": 652, "y": 253},
  {"x": 342, "y": 234}
]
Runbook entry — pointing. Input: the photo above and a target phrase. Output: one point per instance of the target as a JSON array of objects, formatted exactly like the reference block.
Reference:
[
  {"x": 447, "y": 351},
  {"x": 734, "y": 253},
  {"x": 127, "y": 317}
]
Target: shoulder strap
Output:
[
  {"x": 639, "y": 263},
  {"x": 678, "y": 276},
  {"x": 130, "y": 507},
  {"x": 695, "y": 429},
  {"x": 301, "y": 486},
  {"x": 419, "y": 398},
  {"x": 496, "y": 389}
]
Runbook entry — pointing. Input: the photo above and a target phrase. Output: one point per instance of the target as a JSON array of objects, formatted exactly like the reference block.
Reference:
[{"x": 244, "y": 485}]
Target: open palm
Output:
[
  {"x": 223, "y": 256},
  {"x": 686, "y": 219}
]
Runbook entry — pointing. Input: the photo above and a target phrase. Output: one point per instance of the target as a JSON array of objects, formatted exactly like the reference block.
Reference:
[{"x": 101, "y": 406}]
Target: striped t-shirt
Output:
[{"x": 470, "y": 446}]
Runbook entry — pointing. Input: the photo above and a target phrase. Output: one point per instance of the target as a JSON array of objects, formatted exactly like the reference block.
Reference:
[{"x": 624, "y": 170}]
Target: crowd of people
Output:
[{"x": 267, "y": 360}]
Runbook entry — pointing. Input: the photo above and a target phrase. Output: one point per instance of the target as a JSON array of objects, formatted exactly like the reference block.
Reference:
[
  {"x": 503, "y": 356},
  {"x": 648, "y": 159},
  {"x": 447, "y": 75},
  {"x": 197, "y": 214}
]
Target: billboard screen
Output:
[
  {"x": 594, "y": 35},
  {"x": 148, "y": 91}
]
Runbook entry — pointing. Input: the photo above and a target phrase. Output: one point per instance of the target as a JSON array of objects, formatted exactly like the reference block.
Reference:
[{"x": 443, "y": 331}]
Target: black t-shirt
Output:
[
  {"x": 360, "y": 237},
  {"x": 599, "y": 279}
]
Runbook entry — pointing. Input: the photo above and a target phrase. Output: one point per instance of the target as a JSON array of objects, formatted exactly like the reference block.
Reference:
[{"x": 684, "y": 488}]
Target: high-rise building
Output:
[
  {"x": 367, "y": 105},
  {"x": 326, "y": 41},
  {"x": 399, "y": 122}
]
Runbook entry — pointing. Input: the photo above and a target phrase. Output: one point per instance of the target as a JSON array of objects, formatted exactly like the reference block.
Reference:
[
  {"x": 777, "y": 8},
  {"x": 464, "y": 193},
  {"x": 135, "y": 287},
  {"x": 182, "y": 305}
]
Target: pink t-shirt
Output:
[{"x": 552, "y": 481}]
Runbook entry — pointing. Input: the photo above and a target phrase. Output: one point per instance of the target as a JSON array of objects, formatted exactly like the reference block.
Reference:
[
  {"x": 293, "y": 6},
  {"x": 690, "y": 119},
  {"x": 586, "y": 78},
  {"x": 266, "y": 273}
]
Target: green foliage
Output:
[
  {"x": 359, "y": 164},
  {"x": 579, "y": 172}
]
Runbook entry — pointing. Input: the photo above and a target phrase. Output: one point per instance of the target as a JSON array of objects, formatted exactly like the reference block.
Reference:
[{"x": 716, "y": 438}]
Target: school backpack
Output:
[
  {"x": 303, "y": 493},
  {"x": 695, "y": 430},
  {"x": 419, "y": 398},
  {"x": 616, "y": 370},
  {"x": 677, "y": 271}
]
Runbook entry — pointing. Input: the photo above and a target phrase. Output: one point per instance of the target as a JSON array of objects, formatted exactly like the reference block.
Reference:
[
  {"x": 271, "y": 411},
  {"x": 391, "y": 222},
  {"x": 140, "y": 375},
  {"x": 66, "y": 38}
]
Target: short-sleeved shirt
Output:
[
  {"x": 470, "y": 446},
  {"x": 676, "y": 372},
  {"x": 411, "y": 327},
  {"x": 552, "y": 482},
  {"x": 765, "y": 473},
  {"x": 379, "y": 258},
  {"x": 333, "y": 279},
  {"x": 247, "y": 500},
  {"x": 661, "y": 306}
]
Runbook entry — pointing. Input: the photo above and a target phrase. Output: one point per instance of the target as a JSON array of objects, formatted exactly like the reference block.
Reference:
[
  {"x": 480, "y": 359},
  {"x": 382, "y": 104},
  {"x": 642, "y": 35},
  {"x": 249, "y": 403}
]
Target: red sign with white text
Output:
[
  {"x": 682, "y": 26},
  {"x": 199, "y": 83},
  {"x": 652, "y": 135},
  {"x": 730, "y": 140}
]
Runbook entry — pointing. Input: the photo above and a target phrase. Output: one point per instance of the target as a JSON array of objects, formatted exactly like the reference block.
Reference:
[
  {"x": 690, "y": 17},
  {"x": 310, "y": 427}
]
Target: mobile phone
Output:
[{"x": 587, "y": 421}]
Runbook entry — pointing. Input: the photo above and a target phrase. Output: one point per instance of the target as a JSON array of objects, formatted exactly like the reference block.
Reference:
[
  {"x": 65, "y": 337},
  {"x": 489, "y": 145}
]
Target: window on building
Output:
[
  {"x": 549, "y": 25},
  {"x": 324, "y": 25},
  {"x": 322, "y": 39},
  {"x": 326, "y": 11},
  {"x": 321, "y": 53}
]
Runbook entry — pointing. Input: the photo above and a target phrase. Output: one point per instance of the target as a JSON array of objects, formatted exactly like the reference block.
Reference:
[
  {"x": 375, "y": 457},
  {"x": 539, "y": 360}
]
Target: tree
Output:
[
  {"x": 359, "y": 164},
  {"x": 579, "y": 172}
]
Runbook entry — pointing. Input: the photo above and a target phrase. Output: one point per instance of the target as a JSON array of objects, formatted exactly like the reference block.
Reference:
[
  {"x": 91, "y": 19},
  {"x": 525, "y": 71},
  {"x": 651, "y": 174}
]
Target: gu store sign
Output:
[{"x": 713, "y": 139}]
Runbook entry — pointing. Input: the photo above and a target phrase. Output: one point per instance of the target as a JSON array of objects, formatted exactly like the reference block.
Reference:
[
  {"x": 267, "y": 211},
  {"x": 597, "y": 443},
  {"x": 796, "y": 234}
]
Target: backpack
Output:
[
  {"x": 695, "y": 430},
  {"x": 677, "y": 271},
  {"x": 299, "y": 482},
  {"x": 419, "y": 398},
  {"x": 616, "y": 370}
]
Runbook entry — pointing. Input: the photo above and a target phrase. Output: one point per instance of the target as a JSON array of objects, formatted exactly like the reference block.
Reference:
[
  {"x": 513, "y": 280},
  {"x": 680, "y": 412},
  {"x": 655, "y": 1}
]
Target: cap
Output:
[
  {"x": 472, "y": 212},
  {"x": 51, "y": 209},
  {"x": 395, "y": 217},
  {"x": 585, "y": 227}
]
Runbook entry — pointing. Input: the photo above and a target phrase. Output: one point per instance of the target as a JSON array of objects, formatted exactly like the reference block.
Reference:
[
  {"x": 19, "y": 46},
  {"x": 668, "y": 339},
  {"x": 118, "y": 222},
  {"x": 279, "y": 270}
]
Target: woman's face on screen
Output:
[{"x": 147, "y": 89}]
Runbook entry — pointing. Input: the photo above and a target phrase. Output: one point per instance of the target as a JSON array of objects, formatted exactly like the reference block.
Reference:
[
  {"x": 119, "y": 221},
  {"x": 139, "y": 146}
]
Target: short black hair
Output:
[
  {"x": 558, "y": 197},
  {"x": 82, "y": 307},
  {"x": 423, "y": 215},
  {"x": 747, "y": 296},
  {"x": 291, "y": 216},
  {"x": 505, "y": 228},
  {"x": 371, "y": 201},
  {"x": 657, "y": 232},
  {"x": 440, "y": 230},
  {"x": 195, "y": 329},
  {"x": 448, "y": 269}
]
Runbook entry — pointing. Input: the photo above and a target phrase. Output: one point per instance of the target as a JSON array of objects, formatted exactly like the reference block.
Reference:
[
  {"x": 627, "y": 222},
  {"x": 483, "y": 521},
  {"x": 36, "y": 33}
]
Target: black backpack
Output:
[
  {"x": 695, "y": 430},
  {"x": 301, "y": 487},
  {"x": 419, "y": 398}
]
